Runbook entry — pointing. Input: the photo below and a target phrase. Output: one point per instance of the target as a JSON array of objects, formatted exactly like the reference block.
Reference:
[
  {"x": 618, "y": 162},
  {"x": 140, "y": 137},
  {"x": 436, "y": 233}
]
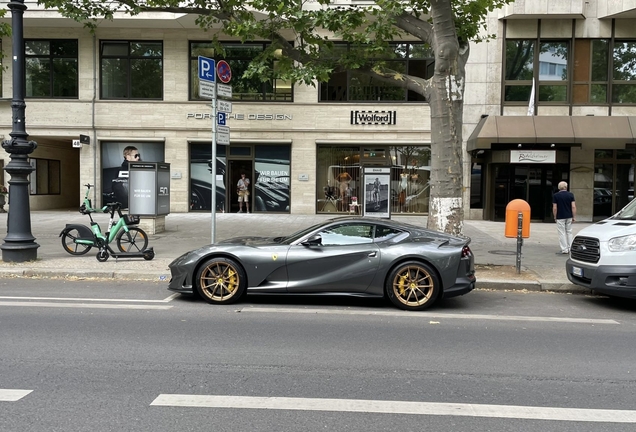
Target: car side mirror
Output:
[{"x": 314, "y": 240}]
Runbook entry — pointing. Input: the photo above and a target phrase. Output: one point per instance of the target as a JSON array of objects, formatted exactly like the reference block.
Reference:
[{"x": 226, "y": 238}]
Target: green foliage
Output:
[{"x": 313, "y": 27}]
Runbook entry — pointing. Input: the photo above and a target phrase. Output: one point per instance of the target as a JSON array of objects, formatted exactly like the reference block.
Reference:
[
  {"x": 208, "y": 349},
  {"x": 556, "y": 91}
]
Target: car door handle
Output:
[{"x": 372, "y": 254}]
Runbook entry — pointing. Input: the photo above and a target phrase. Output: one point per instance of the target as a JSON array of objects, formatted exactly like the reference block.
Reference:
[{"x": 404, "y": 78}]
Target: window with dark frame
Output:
[
  {"x": 239, "y": 56},
  {"x": 131, "y": 70},
  {"x": 45, "y": 179},
  {"x": 415, "y": 59},
  {"x": 624, "y": 72},
  {"x": 51, "y": 68}
]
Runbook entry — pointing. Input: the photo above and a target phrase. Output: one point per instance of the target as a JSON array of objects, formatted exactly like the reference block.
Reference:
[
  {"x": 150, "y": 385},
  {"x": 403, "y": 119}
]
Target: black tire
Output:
[
  {"x": 135, "y": 240},
  {"x": 413, "y": 285},
  {"x": 70, "y": 246},
  {"x": 102, "y": 255},
  {"x": 220, "y": 281},
  {"x": 148, "y": 256}
]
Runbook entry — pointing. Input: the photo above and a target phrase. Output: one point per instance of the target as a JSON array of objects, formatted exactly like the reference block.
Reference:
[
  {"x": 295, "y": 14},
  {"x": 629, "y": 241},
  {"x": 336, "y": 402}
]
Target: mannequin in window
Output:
[{"x": 344, "y": 180}]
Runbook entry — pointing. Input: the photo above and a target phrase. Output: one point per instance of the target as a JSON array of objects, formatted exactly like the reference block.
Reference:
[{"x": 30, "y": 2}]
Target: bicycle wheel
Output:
[
  {"x": 135, "y": 240},
  {"x": 69, "y": 245}
]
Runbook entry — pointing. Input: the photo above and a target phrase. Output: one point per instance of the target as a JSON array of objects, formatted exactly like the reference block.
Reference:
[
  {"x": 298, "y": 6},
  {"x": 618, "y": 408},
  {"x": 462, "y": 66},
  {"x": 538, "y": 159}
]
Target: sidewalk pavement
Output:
[{"x": 495, "y": 255}]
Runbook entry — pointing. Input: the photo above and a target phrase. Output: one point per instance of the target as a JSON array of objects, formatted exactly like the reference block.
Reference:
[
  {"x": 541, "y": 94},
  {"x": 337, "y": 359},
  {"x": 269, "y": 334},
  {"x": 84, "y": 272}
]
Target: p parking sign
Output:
[{"x": 207, "y": 69}]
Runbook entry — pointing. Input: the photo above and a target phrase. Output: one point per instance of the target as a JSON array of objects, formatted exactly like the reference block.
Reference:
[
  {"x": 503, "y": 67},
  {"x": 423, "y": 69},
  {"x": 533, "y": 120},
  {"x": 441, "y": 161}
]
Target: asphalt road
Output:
[{"x": 126, "y": 356}]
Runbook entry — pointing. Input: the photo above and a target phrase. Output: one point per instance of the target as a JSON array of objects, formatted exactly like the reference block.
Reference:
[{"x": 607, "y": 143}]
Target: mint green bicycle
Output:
[{"x": 132, "y": 241}]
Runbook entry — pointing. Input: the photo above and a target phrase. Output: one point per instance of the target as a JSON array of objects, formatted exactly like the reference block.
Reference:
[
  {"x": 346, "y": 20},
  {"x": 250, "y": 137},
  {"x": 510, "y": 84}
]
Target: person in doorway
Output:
[
  {"x": 131, "y": 154},
  {"x": 564, "y": 211},
  {"x": 243, "y": 189}
]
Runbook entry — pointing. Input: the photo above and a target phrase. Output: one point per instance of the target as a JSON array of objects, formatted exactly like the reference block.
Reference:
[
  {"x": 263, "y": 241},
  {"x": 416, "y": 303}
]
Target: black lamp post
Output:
[{"x": 19, "y": 244}]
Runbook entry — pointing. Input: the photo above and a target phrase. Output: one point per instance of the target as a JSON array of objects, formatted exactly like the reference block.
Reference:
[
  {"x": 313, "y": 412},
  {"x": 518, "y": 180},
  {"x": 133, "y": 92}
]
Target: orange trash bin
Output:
[{"x": 512, "y": 218}]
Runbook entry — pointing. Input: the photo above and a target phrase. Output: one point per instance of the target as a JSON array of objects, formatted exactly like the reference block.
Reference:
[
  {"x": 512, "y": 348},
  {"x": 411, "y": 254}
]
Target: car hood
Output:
[
  {"x": 608, "y": 229},
  {"x": 249, "y": 241}
]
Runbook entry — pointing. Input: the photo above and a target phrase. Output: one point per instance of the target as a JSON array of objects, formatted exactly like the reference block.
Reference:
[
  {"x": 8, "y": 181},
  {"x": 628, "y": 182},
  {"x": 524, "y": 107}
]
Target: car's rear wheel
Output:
[
  {"x": 221, "y": 281},
  {"x": 413, "y": 285}
]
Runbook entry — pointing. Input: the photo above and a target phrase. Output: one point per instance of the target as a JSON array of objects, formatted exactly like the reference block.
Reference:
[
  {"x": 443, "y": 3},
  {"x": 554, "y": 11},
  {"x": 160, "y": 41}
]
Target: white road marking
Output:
[
  {"x": 166, "y": 300},
  {"x": 398, "y": 407},
  {"x": 429, "y": 315},
  {"x": 84, "y": 305},
  {"x": 10, "y": 395}
]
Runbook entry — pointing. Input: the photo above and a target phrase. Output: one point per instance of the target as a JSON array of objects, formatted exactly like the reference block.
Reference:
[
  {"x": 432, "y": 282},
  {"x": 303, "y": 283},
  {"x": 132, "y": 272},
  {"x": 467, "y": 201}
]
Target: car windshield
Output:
[
  {"x": 292, "y": 238},
  {"x": 628, "y": 212}
]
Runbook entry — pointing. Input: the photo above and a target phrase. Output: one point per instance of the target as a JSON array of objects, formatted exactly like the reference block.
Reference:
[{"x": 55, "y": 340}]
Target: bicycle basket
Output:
[{"x": 131, "y": 220}]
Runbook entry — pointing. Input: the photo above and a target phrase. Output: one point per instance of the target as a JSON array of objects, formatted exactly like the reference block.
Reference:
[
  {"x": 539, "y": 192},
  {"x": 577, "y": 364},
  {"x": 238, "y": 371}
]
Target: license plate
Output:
[{"x": 577, "y": 271}]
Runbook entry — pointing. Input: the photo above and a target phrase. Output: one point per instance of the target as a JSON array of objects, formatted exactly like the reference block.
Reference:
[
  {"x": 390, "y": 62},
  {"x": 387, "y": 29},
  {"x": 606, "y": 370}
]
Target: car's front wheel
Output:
[
  {"x": 413, "y": 286},
  {"x": 221, "y": 281}
]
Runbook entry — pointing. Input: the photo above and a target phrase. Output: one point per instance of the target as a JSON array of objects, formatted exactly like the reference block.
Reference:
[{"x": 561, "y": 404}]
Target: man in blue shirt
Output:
[{"x": 564, "y": 211}]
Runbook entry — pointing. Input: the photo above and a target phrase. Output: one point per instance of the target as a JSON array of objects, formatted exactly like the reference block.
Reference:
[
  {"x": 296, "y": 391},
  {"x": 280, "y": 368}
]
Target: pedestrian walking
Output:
[{"x": 564, "y": 211}]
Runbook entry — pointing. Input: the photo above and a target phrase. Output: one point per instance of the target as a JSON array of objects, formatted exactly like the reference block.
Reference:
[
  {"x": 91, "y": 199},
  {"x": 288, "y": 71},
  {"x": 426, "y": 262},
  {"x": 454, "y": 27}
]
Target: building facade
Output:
[{"x": 317, "y": 149}]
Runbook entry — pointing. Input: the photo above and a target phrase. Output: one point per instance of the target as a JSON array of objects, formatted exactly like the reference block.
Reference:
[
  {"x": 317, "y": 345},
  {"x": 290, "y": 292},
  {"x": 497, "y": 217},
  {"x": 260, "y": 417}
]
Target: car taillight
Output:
[{"x": 466, "y": 252}]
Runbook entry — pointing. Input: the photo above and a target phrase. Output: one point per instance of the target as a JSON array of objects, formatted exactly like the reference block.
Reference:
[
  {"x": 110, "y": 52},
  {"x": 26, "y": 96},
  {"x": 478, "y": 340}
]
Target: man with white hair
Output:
[{"x": 564, "y": 211}]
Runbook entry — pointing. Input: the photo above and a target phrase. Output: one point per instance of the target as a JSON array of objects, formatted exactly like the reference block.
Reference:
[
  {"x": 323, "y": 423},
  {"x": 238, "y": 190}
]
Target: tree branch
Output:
[{"x": 415, "y": 26}]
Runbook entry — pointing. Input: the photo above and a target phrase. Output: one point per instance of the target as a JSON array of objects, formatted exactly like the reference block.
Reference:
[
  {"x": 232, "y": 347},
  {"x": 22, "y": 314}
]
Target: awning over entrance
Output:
[{"x": 610, "y": 132}]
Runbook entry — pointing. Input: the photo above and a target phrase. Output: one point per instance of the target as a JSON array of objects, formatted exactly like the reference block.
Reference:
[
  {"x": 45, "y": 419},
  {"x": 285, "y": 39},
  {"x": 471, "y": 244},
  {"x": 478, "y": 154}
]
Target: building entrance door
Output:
[
  {"x": 532, "y": 183},
  {"x": 236, "y": 168}
]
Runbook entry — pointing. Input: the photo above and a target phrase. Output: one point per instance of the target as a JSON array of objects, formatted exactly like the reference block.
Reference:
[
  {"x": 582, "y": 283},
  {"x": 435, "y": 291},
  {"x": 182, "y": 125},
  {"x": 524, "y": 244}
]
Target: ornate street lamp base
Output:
[{"x": 19, "y": 252}]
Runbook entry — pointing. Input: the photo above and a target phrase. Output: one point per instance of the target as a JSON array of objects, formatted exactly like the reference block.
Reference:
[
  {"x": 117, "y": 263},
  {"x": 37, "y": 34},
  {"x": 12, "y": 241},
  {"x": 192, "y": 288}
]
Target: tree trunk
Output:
[{"x": 446, "y": 102}]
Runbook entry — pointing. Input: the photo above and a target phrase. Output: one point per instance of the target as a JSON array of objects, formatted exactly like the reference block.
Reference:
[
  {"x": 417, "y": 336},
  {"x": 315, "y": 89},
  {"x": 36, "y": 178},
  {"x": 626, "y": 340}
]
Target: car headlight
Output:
[{"x": 622, "y": 244}]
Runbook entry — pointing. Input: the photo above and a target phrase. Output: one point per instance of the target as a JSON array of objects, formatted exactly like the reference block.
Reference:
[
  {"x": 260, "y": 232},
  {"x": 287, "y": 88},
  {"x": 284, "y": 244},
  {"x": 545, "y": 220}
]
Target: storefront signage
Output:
[
  {"x": 373, "y": 117},
  {"x": 533, "y": 156},
  {"x": 208, "y": 116}
]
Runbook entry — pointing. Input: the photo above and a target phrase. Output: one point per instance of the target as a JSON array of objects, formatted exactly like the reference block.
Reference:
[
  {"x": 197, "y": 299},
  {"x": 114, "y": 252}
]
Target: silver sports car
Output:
[{"x": 365, "y": 257}]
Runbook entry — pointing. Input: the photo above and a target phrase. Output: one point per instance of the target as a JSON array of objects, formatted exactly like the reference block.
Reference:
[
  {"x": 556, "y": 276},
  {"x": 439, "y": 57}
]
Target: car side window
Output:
[
  {"x": 342, "y": 235},
  {"x": 383, "y": 233}
]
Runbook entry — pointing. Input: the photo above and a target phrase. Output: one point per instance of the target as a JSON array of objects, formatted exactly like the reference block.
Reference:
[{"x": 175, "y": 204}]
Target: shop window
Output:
[
  {"x": 613, "y": 181},
  {"x": 131, "y": 70},
  {"x": 351, "y": 85},
  {"x": 272, "y": 178},
  {"x": 339, "y": 181},
  {"x": 51, "y": 68},
  {"x": 239, "y": 56},
  {"x": 45, "y": 179}
]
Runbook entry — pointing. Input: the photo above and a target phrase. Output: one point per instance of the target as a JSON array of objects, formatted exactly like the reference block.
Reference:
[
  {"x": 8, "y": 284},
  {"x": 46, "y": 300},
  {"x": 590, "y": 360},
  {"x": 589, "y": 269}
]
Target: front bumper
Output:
[
  {"x": 614, "y": 280},
  {"x": 181, "y": 280}
]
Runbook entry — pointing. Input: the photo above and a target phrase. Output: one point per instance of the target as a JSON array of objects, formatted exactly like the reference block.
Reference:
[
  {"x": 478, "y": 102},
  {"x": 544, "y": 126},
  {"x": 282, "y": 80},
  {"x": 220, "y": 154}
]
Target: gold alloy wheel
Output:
[
  {"x": 413, "y": 286},
  {"x": 219, "y": 281}
]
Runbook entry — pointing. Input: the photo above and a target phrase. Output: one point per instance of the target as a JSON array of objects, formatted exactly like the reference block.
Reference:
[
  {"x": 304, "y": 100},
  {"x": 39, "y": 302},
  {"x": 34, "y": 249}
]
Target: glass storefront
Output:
[
  {"x": 267, "y": 166},
  {"x": 613, "y": 181},
  {"x": 339, "y": 177}
]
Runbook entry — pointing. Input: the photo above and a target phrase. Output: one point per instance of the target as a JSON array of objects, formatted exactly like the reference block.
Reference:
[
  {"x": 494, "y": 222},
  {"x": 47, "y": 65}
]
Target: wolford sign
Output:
[
  {"x": 373, "y": 117},
  {"x": 532, "y": 156},
  {"x": 208, "y": 116}
]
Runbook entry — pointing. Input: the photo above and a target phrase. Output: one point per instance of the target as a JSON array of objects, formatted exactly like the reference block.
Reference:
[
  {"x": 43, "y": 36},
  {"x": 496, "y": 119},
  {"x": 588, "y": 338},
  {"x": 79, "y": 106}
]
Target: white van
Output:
[{"x": 603, "y": 255}]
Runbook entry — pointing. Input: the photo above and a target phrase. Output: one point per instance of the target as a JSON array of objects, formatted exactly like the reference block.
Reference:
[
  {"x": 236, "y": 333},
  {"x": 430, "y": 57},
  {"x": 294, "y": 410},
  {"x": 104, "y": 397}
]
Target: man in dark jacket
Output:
[{"x": 564, "y": 211}]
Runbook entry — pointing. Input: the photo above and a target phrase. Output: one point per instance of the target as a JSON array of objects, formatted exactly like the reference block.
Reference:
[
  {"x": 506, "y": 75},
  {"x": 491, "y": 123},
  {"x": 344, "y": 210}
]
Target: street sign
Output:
[
  {"x": 224, "y": 90},
  {"x": 207, "y": 89},
  {"x": 206, "y": 69},
  {"x": 223, "y": 135},
  {"x": 223, "y": 71},
  {"x": 77, "y": 144},
  {"x": 224, "y": 106},
  {"x": 221, "y": 118}
]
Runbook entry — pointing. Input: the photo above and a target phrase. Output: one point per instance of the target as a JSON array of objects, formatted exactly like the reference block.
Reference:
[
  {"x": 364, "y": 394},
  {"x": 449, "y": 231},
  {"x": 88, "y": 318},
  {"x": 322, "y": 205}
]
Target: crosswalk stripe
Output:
[
  {"x": 398, "y": 407},
  {"x": 84, "y": 305},
  {"x": 428, "y": 315},
  {"x": 11, "y": 395}
]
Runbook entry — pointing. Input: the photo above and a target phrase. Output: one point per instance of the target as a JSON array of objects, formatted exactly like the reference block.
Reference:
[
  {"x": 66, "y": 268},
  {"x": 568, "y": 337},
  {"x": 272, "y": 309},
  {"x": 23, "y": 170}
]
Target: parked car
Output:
[
  {"x": 352, "y": 256},
  {"x": 603, "y": 255}
]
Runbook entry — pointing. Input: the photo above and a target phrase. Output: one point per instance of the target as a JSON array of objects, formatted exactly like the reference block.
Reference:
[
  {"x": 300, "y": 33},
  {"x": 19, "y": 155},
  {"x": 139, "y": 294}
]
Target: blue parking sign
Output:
[
  {"x": 221, "y": 118},
  {"x": 207, "y": 69}
]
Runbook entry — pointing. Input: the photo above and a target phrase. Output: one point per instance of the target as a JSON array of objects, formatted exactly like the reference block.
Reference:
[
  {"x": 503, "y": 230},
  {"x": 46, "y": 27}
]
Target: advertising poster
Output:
[
  {"x": 115, "y": 165},
  {"x": 377, "y": 191}
]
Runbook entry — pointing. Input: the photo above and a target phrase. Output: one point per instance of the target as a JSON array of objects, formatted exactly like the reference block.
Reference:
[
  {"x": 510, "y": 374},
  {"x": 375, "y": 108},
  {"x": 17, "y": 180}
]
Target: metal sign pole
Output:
[{"x": 213, "y": 198}]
